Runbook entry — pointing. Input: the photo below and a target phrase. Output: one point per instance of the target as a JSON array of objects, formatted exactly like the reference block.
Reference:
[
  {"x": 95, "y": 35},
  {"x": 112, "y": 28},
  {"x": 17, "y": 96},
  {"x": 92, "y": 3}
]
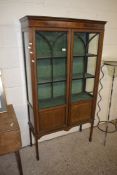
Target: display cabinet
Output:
[{"x": 62, "y": 64}]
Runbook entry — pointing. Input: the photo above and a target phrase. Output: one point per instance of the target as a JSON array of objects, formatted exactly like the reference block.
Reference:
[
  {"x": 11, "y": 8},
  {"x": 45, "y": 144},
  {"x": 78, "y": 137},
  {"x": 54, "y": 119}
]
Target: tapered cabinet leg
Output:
[
  {"x": 37, "y": 148},
  {"x": 91, "y": 131},
  {"x": 80, "y": 129},
  {"x": 19, "y": 164},
  {"x": 30, "y": 136}
]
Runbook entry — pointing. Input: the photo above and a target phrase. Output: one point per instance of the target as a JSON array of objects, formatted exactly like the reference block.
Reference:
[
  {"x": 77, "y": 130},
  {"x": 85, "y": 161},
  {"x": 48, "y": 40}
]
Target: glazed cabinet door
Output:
[
  {"x": 51, "y": 62},
  {"x": 84, "y": 60}
]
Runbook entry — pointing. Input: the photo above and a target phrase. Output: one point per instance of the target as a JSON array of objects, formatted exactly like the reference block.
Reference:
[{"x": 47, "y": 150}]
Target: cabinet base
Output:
[{"x": 37, "y": 137}]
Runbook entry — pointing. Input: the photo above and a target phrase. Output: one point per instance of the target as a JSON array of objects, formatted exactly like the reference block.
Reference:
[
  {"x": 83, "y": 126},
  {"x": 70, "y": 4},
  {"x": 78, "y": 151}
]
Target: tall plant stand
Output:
[{"x": 113, "y": 65}]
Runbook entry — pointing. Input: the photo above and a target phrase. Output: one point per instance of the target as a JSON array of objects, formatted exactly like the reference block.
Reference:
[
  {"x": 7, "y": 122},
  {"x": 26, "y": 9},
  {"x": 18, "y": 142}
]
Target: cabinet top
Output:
[
  {"x": 56, "y": 22},
  {"x": 50, "y": 18}
]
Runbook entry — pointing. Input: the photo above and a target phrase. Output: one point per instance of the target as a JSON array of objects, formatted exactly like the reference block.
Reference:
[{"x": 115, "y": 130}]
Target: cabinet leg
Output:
[
  {"x": 19, "y": 164},
  {"x": 37, "y": 148},
  {"x": 80, "y": 129},
  {"x": 91, "y": 131},
  {"x": 30, "y": 136}
]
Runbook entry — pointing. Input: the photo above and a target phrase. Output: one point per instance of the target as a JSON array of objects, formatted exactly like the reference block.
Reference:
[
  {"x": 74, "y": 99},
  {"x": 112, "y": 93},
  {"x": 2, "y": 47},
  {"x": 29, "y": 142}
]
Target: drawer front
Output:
[
  {"x": 81, "y": 112},
  {"x": 52, "y": 119}
]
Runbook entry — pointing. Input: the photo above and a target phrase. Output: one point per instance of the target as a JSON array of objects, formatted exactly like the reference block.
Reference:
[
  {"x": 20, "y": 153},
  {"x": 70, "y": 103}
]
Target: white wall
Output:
[{"x": 11, "y": 59}]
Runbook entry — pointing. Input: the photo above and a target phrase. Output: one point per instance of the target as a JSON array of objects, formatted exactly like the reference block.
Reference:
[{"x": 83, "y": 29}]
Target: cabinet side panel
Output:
[
  {"x": 27, "y": 64},
  {"x": 27, "y": 67}
]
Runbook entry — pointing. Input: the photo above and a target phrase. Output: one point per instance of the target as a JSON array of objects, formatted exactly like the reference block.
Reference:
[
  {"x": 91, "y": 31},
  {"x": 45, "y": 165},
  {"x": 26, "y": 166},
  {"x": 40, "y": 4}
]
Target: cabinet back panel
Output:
[{"x": 53, "y": 119}]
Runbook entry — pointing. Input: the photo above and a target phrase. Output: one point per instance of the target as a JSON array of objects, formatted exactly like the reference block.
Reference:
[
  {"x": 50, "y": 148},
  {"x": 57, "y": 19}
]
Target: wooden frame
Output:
[{"x": 63, "y": 116}]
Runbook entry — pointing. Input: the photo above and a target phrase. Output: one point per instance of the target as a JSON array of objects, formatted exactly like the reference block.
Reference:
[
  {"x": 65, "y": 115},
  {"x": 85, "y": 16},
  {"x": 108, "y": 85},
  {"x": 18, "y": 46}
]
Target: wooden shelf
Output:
[
  {"x": 81, "y": 96},
  {"x": 46, "y": 80},
  {"x": 54, "y": 57},
  {"x": 87, "y": 55},
  {"x": 64, "y": 57},
  {"x": 81, "y": 76},
  {"x": 55, "y": 80},
  {"x": 51, "y": 102},
  {"x": 55, "y": 101}
]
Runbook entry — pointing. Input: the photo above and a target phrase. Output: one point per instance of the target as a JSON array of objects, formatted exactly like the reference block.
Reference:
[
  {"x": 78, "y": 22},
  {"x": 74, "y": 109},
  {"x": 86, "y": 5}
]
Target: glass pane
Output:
[
  {"x": 77, "y": 86},
  {"x": 89, "y": 85},
  {"x": 84, "y": 65},
  {"x": 44, "y": 91},
  {"x": 43, "y": 47},
  {"x": 79, "y": 44},
  {"x": 59, "y": 44},
  {"x": 91, "y": 65},
  {"x": 27, "y": 66},
  {"x": 78, "y": 67},
  {"x": 59, "y": 69},
  {"x": 93, "y": 43},
  {"x": 51, "y": 52},
  {"x": 77, "y": 91},
  {"x": 85, "y": 43},
  {"x": 49, "y": 97},
  {"x": 44, "y": 70},
  {"x": 59, "y": 89}
]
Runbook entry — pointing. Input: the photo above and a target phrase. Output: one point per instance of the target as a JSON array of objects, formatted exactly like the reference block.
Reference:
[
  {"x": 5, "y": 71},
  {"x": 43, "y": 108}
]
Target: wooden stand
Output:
[{"x": 10, "y": 139}]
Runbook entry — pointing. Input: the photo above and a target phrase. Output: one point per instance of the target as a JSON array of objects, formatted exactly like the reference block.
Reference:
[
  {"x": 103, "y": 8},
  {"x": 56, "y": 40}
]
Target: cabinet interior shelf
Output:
[
  {"x": 62, "y": 78},
  {"x": 81, "y": 96},
  {"x": 81, "y": 76},
  {"x": 63, "y": 57},
  {"x": 55, "y": 101}
]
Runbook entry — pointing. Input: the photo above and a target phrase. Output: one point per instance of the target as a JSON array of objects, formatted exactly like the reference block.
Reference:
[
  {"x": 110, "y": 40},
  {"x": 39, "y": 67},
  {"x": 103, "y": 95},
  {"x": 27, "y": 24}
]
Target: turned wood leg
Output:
[
  {"x": 80, "y": 129},
  {"x": 91, "y": 131},
  {"x": 19, "y": 164},
  {"x": 37, "y": 148}
]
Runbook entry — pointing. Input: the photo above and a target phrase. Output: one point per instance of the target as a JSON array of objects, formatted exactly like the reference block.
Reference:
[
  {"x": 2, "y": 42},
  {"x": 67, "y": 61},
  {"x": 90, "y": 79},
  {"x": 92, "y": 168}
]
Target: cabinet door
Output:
[
  {"x": 85, "y": 52},
  {"x": 51, "y": 53},
  {"x": 51, "y": 56}
]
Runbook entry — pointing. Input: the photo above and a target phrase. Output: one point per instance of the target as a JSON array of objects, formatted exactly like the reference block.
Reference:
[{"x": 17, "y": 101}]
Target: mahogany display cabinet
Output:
[{"x": 62, "y": 59}]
